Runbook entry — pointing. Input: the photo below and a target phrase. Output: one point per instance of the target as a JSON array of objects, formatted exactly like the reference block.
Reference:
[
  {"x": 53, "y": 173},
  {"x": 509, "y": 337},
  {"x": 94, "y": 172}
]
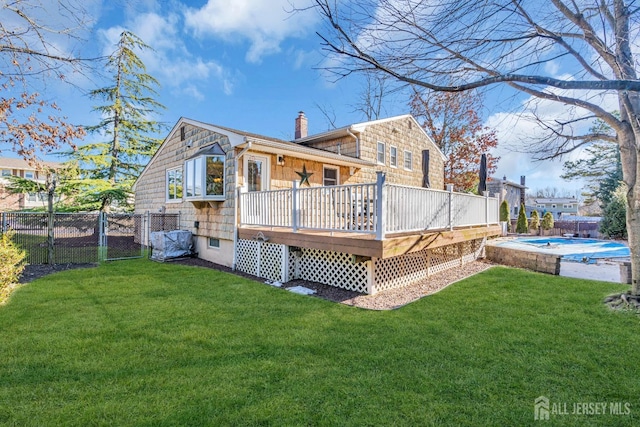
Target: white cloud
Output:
[
  {"x": 264, "y": 23},
  {"x": 171, "y": 62}
]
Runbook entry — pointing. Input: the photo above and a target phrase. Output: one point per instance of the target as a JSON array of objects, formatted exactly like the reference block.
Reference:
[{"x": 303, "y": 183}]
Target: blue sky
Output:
[{"x": 251, "y": 65}]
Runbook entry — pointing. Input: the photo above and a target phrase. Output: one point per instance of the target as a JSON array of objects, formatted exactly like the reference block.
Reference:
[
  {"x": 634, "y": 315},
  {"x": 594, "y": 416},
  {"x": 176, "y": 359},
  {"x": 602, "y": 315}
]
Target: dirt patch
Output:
[
  {"x": 385, "y": 300},
  {"x": 35, "y": 271}
]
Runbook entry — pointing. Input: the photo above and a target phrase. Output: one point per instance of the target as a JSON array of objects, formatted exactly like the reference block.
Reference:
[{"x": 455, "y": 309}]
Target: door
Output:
[
  {"x": 256, "y": 172},
  {"x": 256, "y": 178}
]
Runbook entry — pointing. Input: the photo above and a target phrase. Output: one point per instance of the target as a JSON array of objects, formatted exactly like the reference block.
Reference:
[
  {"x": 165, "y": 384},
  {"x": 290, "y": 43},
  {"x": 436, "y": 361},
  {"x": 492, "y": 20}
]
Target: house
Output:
[
  {"x": 558, "y": 206},
  {"x": 360, "y": 207},
  {"x": 510, "y": 191},
  {"x": 22, "y": 168}
]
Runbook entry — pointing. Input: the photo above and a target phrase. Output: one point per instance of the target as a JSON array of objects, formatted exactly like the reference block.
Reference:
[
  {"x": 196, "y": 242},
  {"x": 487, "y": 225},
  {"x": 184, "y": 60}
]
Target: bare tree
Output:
[
  {"x": 457, "y": 45},
  {"x": 371, "y": 97},
  {"x": 38, "y": 42}
]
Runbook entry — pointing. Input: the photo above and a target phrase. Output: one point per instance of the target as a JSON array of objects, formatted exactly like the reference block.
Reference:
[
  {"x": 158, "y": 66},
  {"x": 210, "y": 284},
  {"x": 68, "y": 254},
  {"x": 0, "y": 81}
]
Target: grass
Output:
[{"x": 142, "y": 343}]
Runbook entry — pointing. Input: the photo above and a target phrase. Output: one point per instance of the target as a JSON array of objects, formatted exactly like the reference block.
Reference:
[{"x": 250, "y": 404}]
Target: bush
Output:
[
  {"x": 11, "y": 264},
  {"x": 547, "y": 221},
  {"x": 522, "y": 226},
  {"x": 535, "y": 221},
  {"x": 614, "y": 216},
  {"x": 504, "y": 211}
]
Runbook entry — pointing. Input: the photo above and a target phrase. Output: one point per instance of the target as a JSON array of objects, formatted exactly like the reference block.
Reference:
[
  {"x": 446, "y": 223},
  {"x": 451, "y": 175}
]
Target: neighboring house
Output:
[
  {"x": 558, "y": 206},
  {"x": 510, "y": 191},
  {"x": 345, "y": 207},
  {"x": 21, "y": 168}
]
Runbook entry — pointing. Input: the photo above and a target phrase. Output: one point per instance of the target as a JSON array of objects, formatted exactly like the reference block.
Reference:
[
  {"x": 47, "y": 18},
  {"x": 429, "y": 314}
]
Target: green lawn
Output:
[{"x": 142, "y": 343}]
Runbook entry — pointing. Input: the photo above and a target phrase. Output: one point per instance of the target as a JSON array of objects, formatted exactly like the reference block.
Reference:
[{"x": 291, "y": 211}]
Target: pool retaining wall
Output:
[{"x": 544, "y": 263}]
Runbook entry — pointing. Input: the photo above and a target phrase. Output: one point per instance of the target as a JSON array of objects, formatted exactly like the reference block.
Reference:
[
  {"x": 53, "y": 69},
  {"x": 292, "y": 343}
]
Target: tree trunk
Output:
[
  {"x": 51, "y": 189},
  {"x": 627, "y": 141}
]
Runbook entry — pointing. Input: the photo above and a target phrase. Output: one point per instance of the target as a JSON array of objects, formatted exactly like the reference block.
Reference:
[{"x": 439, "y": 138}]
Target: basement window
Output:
[{"x": 204, "y": 178}]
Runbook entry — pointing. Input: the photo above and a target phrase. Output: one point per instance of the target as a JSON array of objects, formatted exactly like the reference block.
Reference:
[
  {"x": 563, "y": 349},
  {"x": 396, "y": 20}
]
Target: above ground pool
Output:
[{"x": 571, "y": 249}]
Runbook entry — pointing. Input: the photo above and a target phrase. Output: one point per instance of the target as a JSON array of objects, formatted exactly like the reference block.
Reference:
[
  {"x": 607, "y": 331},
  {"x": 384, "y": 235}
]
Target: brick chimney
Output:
[{"x": 301, "y": 126}]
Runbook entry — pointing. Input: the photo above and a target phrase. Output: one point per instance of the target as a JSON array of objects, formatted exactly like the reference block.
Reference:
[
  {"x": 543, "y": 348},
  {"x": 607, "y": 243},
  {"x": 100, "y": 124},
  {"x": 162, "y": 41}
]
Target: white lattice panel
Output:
[
  {"x": 247, "y": 253},
  {"x": 443, "y": 258},
  {"x": 334, "y": 269},
  {"x": 271, "y": 261},
  {"x": 400, "y": 271},
  {"x": 292, "y": 266}
]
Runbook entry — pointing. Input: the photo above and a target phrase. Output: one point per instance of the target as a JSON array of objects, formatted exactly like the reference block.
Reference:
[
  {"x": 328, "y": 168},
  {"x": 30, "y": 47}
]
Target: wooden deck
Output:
[{"x": 365, "y": 244}]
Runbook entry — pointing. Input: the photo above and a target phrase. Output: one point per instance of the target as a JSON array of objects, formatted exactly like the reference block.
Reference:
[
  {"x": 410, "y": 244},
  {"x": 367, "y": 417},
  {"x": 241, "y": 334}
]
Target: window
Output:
[
  {"x": 6, "y": 172},
  {"x": 569, "y": 206},
  {"x": 393, "y": 156},
  {"x": 515, "y": 210},
  {"x": 204, "y": 174},
  {"x": 214, "y": 243},
  {"x": 539, "y": 206},
  {"x": 330, "y": 176},
  {"x": 174, "y": 184},
  {"x": 29, "y": 175},
  {"x": 554, "y": 206},
  {"x": 32, "y": 197},
  {"x": 381, "y": 158},
  {"x": 408, "y": 160}
]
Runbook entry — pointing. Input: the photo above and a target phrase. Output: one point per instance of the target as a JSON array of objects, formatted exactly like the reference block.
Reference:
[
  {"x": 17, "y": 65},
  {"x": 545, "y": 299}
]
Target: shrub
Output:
[
  {"x": 547, "y": 221},
  {"x": 11, "y": 264},
  {"x": 535, "y": 221},
  {"x": 614, "y": 220},
  {"x": 504, "y": 211},
  {"x": 522, "y": 226}
]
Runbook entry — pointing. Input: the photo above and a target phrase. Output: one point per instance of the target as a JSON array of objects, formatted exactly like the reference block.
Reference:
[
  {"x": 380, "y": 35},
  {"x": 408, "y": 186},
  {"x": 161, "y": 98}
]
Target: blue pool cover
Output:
[{"x": 579, "y": 250}]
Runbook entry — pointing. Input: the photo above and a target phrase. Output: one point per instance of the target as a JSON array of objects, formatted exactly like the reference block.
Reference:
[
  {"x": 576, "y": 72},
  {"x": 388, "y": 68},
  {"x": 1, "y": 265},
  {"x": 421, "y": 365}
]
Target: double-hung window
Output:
[
  {"x": 381, "y": 153},
  {"x": 393, "y": 157},
  {"x": 174, "y": 184},
  {"x": 408, "y": 160}
]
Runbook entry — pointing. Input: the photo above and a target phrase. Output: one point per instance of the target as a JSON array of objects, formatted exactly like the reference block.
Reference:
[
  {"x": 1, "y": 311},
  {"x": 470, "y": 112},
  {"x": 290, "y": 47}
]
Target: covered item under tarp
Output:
[{"x": 171, "y": 244}]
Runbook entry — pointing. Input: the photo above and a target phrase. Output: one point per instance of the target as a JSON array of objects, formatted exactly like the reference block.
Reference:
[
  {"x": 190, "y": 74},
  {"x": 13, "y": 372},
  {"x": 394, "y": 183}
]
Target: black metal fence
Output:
[
  {"x": 84, "y": 237},
  {"x": 575, "y": 228}
]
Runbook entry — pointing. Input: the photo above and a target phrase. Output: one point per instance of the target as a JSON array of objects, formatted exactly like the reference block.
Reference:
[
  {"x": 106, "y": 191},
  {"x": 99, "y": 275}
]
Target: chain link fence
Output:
[{"x": 76, "y": 238}]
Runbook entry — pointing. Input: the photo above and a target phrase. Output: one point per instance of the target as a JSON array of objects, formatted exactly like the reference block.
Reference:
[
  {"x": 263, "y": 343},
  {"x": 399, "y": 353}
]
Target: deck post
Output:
[
  {"x": 450, "y": 190},
  {"x": 486, "y": 207},
  {"x": 381, "y": 201},
  {"x": 294, "y": 207}
]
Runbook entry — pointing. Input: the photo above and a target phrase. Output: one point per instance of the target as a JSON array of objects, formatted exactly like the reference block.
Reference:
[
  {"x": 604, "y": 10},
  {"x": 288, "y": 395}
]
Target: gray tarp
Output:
[{"x": 171, "y": 244}]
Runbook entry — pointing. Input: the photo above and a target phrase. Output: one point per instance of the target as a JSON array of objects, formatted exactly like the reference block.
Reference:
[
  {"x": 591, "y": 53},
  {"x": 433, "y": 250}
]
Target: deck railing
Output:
[{"x": 377, "y": 208}]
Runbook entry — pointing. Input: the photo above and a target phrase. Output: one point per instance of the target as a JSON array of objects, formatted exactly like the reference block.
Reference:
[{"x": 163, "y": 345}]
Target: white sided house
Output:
[{"x": 361, "y": 207}]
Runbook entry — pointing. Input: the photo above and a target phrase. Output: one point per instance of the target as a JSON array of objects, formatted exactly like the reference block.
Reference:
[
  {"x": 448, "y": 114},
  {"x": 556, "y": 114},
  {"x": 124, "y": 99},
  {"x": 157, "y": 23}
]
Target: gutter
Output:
[
  {"x": 235, "y": 204},
  {"x": 351, "y": 134}
]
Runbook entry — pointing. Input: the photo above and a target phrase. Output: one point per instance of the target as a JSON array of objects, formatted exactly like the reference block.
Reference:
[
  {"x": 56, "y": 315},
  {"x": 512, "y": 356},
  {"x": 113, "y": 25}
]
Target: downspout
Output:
[
  {"x": 235, "y": 204},
  {"x": 357, "y": 142}
]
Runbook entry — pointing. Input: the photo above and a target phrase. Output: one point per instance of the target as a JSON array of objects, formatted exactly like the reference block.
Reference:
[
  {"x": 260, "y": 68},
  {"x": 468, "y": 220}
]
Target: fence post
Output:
[
  {"x": 294, "y": 207},
  {"x": 4, "y": 222},
  {"x": 450, "y": 190},
  {"x": 147, "y": 229},
  {"x": 486, "y": 207},
  {"x": 101, "y": 235},
  {"x": 50, "y": 242},
  {"x": 381, "y": 201}
]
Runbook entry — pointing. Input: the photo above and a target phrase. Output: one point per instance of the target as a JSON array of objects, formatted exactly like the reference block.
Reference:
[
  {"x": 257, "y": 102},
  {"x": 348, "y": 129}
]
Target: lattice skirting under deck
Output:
[
  {"x": 409, "y": 268},
  {"x": 277, "y": 262}
]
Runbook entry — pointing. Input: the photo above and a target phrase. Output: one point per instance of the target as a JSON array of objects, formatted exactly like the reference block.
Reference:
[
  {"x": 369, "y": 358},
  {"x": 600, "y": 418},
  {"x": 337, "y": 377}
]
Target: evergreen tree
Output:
[
  {"x": 504, "y": 211},
  {"x": 547, "y": 221},
  {"x": 111, "y": 166},
  {"x": 614, "y": 222},
  {"x": 522, "y": 226},
  {"x": 535, "y": 221}
]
